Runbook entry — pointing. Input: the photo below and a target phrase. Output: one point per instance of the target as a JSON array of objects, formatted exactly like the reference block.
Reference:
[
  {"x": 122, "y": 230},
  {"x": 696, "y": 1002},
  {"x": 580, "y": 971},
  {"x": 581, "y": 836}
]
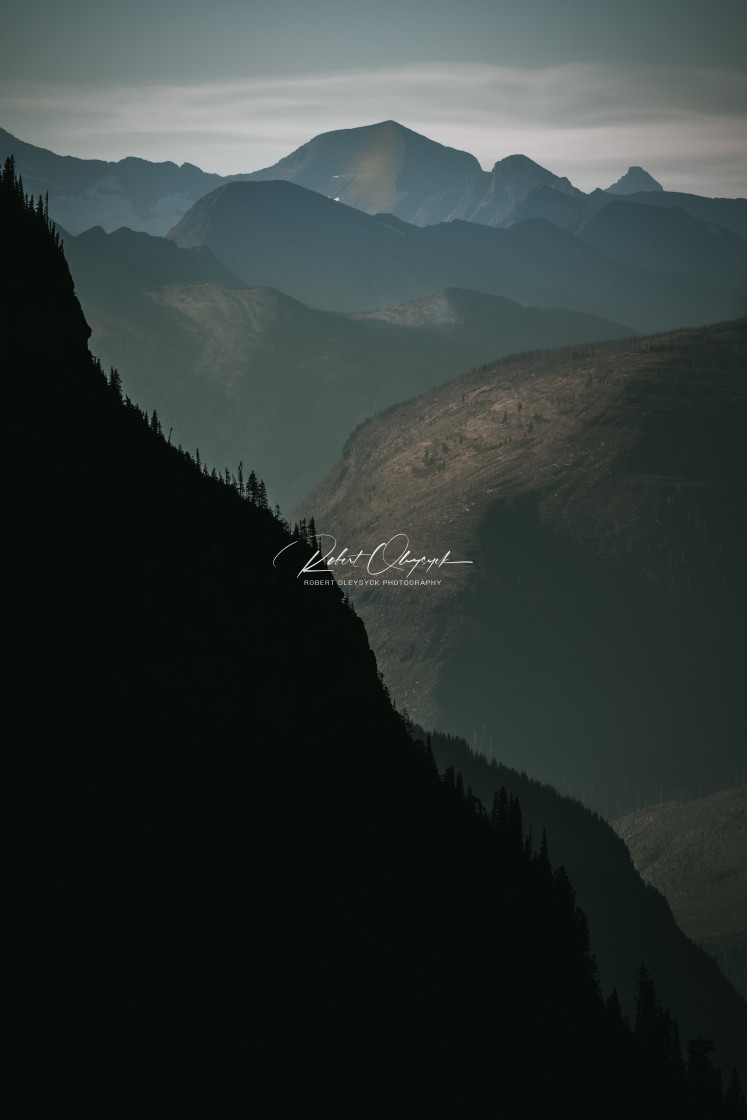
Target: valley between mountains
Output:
[
  {"x": 597, "y": 491},
  {"x": 496, "y": 369}
]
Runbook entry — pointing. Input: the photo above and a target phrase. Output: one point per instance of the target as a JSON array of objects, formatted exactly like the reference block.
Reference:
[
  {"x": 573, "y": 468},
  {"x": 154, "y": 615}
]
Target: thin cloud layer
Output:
[{"x": 583, "y": 120}]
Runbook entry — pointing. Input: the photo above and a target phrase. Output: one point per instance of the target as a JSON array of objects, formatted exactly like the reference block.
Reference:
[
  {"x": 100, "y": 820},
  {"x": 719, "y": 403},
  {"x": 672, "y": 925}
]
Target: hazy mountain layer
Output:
[
  {"x": 731, "y": 213},
  {"x": 252, "y": 375},
  {"x": 600, "y": 495},
  {"x": 376, "y": 168},
  {"x": 551, "y": 205},
  {"x": 386, "y": 167},
  {"x": 380, "y": 168},
  {"x": 129, "y": 192},
  {"x": 124, "y": 265},
  {"x": 333, "y": 257},
  {"x": 492, "y": 198},
  {"x": 695, "y": 853},
  {"x": 666, "y": 241}
]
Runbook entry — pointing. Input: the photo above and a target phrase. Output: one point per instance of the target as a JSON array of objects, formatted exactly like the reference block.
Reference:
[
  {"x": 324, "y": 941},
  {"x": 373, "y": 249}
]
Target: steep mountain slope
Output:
[
  {"x": 228, "y": 838},
  {"x": 250, "y": 374},
  {"x": 599, "y": 493},
  {"x": 629, "y": 921},
  {"x": 492, "y": 198},
  {"x": 695, "y": 853},
  {"x": 552, "y": 205},
  {"x": 379, "y": 168},
  {"x": 333, "y": 257}
]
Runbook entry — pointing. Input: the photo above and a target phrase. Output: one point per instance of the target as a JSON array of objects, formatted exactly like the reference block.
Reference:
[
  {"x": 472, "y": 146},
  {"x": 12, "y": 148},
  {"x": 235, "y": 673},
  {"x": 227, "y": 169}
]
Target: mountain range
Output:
[
  {"x": 233, "y": 325},
  {"x": 186, "y": 340},
  {"x": 594, "y": 637},
  {"x": 382, "y": 168},
  {"x": 387, "y": 167},
  {"x": 337, "y": 258},
  {"x": 377, "y": 168},
  {"x": 244, "y": 372},
  {"x": 224, "y": 835},
  {"x": 598, "y": 493}
]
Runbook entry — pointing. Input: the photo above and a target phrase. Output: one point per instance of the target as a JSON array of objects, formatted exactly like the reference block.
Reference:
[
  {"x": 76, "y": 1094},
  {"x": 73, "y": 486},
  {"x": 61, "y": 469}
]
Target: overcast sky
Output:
[{"x": 585, "y": 87}]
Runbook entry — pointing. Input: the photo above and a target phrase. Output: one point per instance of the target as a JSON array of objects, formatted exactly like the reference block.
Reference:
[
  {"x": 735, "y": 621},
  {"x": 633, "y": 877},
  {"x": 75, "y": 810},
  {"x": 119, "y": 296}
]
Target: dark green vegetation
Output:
[
  {"x": 235, "y": 851},
  {"x": 628, "y": 920},
  {"x": 695, "y": 853},
  {"x": 600, "y": 491}
]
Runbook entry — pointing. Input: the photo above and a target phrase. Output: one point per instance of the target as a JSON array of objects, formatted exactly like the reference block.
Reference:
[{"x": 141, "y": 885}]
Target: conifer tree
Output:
[
  {"x": 703, "y": 1078},
  {"x": 647, "y": 1009},
  {"x": 115, "y": 383},
  {"x": 734, "y": 1102},
  {"x": 499, "y": 811},
  {"x": 542, "y": 859},
  {"x": 515, "y": 825}
]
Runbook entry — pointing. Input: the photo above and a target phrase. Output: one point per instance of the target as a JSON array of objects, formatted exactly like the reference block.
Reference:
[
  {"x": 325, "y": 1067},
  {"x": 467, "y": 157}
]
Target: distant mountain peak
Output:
[
  {"x": 377, "y": 168},
  {"x": 517, "y": 160},
  {"x": 635, "y": 179},
  {"x": 525, "y": 174}
]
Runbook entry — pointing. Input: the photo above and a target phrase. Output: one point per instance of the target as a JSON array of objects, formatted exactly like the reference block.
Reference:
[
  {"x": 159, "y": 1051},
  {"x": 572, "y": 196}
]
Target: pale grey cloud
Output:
[{"x": 585, "y": 120}]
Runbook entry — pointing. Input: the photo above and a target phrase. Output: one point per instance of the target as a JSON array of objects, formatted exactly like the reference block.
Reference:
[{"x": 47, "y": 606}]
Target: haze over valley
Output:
[
  {"x": 198, "y": 334},
  {"x": 262, "y": 389}
]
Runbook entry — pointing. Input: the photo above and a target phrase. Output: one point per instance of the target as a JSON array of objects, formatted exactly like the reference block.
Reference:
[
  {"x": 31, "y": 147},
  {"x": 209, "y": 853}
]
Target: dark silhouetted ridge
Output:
[{"x": 233, "y": 845}]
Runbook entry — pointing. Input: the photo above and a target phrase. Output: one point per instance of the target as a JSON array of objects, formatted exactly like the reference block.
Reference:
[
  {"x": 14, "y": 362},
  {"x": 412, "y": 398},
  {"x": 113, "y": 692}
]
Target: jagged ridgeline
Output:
[{"x": 238, "y": 852}]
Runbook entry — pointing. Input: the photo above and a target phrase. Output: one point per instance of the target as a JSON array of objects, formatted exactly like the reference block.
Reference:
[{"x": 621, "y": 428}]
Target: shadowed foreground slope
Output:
[
  {"x": 629, "y": 920},
  {"x": 238, "y": 856},
  {"x": 695, "y": 853}
]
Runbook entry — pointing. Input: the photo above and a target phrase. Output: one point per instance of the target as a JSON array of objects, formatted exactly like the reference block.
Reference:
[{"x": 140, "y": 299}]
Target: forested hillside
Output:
[
  {"x": 237, "y": 854},
  {"x": 629, "y": 920}
]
